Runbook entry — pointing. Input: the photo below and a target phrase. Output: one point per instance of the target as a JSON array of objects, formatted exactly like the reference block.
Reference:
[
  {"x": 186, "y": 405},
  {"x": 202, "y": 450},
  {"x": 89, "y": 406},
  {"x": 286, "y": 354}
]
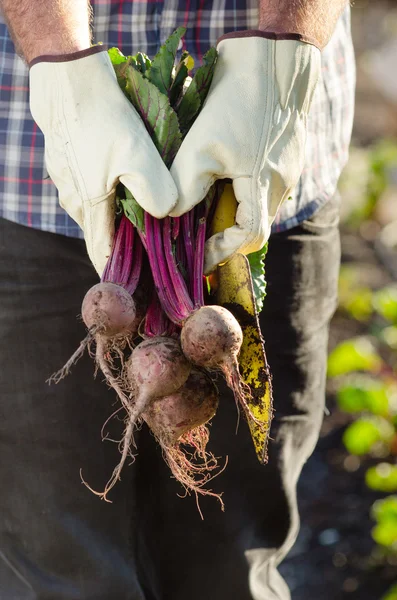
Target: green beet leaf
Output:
[
  {"x": 257, "y": 265},
  {"x": 156, "y": 112},
  {"x": 121, "y": 67},
  {"x": 143, "y": 62},
  {"x": 181, "y": 72},
  {"x": 204, "y": 74},
  {"x": 120, "y": 64},
  {"x": 160, "y": 72},
  {"x": 189, "y": 108},
  {"x": 177, "y": 86},
  {"x": 116, "y": 57},
  {"x": 133, "y": 211},
  {"x": 197, "y": 91}
]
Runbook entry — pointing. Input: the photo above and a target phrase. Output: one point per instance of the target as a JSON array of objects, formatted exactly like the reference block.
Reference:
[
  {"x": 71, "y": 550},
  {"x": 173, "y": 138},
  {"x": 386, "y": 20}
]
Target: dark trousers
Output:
[{"x": 60, "y": 542}]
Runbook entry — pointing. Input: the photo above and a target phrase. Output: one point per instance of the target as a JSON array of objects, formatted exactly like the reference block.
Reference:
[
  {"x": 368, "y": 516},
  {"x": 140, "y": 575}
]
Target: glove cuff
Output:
[
  {"x": 270, "y": 35},
  {"x": 67, "y": 57}
]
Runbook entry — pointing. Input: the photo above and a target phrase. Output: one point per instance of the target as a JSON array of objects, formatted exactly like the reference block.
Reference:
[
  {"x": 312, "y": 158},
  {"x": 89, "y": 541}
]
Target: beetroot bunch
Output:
[{"x": 160, "y": 356}]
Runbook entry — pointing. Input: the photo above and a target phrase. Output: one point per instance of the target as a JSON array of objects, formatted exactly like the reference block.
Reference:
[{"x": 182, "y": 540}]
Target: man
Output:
[{"x": 57, "y": 540}]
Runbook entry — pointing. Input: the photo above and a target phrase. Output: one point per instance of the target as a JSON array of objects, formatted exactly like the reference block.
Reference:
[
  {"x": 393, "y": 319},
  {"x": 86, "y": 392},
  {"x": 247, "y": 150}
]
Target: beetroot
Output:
[
  {"x": 211, "y": 337},
  {"x": 155, "y": 368},
  {"x": 109, "y": 310},
  {"x": 178, "y": 422},
  {"x": 109, "y": 313},
  {"x": 193, "y": 404}
]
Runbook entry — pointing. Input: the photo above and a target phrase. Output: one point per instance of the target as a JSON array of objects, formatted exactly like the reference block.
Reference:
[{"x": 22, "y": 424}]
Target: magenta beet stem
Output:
[
  {"x": 112, "y": 268},
  {"x": 156, "y": 322},
  {"x": 124, "y": 265},
  {"x": 176, "y": 225},
  {"x": 161, "y": 277},
  {"x": 179, "y": 287},
  {"x": 137, "y": 255},
  {"x": 180, "y": 257},
  {"x": 188, "y": 239},
  {"x": 198, "y": 276},
  {"x": 127, "y": 249},
  {"x": 161, "y": 261}
]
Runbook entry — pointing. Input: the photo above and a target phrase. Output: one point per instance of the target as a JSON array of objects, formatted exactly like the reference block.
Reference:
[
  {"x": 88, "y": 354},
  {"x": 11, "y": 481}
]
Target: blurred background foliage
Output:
[
  {"x": 347, "y": 547},
  {"x": 362, "y": 369}
]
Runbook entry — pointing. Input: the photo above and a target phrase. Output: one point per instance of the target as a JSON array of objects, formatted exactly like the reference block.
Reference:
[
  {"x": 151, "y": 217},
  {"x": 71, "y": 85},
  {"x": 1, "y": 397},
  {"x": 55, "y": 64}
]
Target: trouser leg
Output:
[
  {"x": 57, "y": 540},
  {"x": 302, "y": 272}
]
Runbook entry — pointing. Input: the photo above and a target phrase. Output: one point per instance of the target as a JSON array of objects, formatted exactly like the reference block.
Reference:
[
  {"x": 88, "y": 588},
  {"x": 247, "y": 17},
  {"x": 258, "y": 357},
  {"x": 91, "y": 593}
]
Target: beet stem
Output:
[
  {"x": 125, "y": 262},
  {"x": 126, "y": 259},
  {"x": 176, "y": 226},
  {"x": 156, "y": 322},
  {"x": 198, "y": 287},
  {"x": 169, "y": 298},
  {"x": 114, "y": 258},
  {"x": 188, "y": 235},
  {"x": 157, "y": 272},
  {"x": 135, "y": 274},
  {"x": 178, "y": 283}
]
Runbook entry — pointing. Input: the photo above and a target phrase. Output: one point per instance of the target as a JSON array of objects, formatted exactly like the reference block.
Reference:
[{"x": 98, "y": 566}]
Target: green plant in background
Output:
[
  {"x": 382, "y": 157},
  {"x": 366, "y": 179},
  {"x": 391, "y": 594},
  {"x": 363, "y": 370}
]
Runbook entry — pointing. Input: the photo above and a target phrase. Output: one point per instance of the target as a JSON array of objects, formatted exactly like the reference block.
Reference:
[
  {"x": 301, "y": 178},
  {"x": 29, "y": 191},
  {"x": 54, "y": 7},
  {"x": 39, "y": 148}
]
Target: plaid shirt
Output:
[{"x": 28, "y": 196}]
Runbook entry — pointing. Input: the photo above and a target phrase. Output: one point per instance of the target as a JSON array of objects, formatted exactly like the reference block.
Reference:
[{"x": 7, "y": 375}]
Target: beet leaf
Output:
[
  {"x": 143, "y": 63},
  {"x": 156, "y": 112},
  {"x": 116, "y": 57},
  {"x": 133, "y": 211},
  {"x": 257, "y": 265},
  {"x": 197, "y": 91},
  {"x": 149, "y": 87},
  {"x": 182, "y": 69},
  {"x": 160, "y": 72}
]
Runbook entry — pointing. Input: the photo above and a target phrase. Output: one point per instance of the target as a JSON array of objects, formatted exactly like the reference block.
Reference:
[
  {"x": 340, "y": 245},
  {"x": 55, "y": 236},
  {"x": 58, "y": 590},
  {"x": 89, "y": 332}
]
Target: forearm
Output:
[
  {"x": 47, "y": 26},
  {"x": 315, "y": 19}
]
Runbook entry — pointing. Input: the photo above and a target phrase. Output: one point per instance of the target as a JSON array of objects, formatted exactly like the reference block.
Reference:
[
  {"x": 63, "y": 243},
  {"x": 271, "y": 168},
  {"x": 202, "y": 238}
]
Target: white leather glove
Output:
[
  {"x": 94, "y": 138},
  {"x": 252, "y": 129}
]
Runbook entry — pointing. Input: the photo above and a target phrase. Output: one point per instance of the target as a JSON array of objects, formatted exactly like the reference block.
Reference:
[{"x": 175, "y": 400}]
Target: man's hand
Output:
[
  {"x": 252, "y": 129},
  {"x": 94, "y": 138}
]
